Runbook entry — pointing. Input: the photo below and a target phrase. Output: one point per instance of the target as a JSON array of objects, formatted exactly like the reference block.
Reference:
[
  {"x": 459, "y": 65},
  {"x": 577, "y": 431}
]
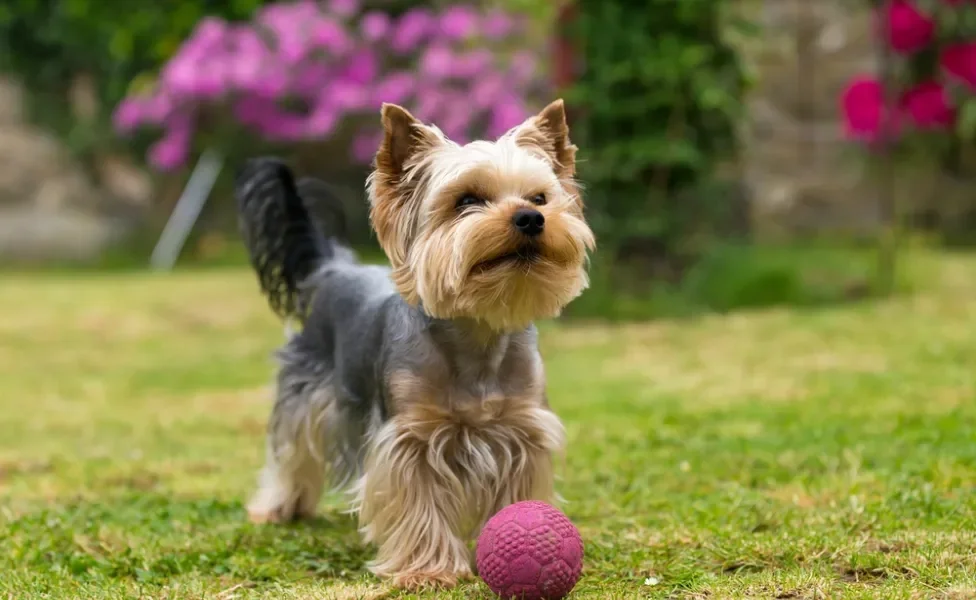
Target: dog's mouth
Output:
[{"x": 525, "y": 255}]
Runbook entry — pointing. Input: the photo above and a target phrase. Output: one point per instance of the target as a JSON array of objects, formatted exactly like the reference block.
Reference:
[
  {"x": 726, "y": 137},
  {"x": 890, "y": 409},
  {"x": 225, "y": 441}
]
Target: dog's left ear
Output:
[{"x": 549, "y": 132}]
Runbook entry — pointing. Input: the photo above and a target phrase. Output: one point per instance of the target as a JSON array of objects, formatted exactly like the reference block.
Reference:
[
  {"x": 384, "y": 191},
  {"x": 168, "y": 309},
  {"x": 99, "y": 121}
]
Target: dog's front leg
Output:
[{"x": 412, "y": 507}]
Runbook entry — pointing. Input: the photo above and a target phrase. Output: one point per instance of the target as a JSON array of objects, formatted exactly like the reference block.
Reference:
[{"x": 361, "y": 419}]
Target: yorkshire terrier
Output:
[{"x": 419, "y": 388}]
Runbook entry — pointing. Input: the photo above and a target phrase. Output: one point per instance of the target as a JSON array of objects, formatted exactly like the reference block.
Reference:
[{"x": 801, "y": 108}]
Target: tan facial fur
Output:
[{"x": 445, "y": 257}]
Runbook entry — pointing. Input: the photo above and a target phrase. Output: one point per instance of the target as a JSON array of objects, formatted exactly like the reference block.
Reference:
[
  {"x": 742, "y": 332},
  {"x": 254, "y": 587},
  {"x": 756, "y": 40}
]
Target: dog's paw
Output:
[
  {"x": 260, "y": 516},
  {"x": 422, "y": 581},
  {"x": 263, "y": 509}
]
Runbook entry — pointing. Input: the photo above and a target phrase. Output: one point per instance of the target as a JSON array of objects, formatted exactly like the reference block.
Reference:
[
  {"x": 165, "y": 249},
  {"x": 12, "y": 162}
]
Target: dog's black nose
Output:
[{"x": 529, "y": 221}]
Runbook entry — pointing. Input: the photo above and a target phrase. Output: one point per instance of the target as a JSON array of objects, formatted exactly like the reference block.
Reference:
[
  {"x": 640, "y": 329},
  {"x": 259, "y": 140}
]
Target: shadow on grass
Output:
[{"x": 154, "y": 538}]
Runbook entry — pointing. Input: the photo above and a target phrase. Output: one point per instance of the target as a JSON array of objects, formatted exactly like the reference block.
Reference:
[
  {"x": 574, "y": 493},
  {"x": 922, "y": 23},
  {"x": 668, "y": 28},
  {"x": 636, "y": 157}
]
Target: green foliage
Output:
[
  {"x": 659, "y": 100},
  {"x": 47, "y": 43},
  {"x": 736, "y": 276}
]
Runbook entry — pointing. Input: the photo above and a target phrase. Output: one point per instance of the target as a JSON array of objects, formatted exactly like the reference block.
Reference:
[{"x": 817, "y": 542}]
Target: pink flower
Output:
[
  {"x": 362, "y": 67},
  {"x": 411, "y": 29},
  {"x": 322, "y": 120},
  {"x": 328, "y": 34},
  {"x": 310, "y": 79},
  {"x": 394, "y": 88},
  {"x": 905, "y": 27},
  {"x": 375, "y": 26},
  {"x": 364, "y": 145},
  {"x": 289, "y": 23},
  {"x": 128, "y": 115},
  {"x": 430, "y": 103},
  {"x": 927, "y": 105},
  {"x": 437, "y": 62},
  {"x": 486, "y": 91},
  {"x": 251, "y": 110},
  {"x": 959, "y": 62},
  {"x": 523, "y": 67},
  {"x": 167, "y": 154},
  {"x": 497, "y": 25},
  {"x": 456, "y": 119},
  {"x": 277, "y": 125},
  {"x": 347, "y": 95},
  {"x": 344, "y": 8},
  {"x": 158, "y": 109},
  {"x": 473, "y": 64},
  {"x": 173, "y": 149},
  {"x": 863, "y": 108},
  {"x": 458, "y": 22},
  {"x": 272, "y": 84},
  {"x": 210, "y": 30},
  {"x": 507, "y": 113}
]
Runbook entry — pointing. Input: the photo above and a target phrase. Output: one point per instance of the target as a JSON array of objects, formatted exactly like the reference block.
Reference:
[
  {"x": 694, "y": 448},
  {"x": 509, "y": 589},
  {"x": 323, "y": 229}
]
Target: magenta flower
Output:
[
  {"x": 365, "y": 145},
  {"x": 310, "y": 79},
  {"x": 273, "y": 83},
  {"x": 486, "y": 91},
  {"x": 363, "y": 66},
  {"x": 328, "y": 34},
  {"x": 347, "y": 95},
  {"x": 374, "y": 26},
  {"x": 334, "y": 62},
  {"x": 411, "y": 29},
  {"x": 905, "y": 27},
  {"x": 498, "y": 25},
  {"x": 959, "y": 63},
  {"x": 473, "y": 64},
  {"x": 524, "y": 67},
  {"x": 437, "y": 62},
  {"x": 429, "y": 104},
  {"x": 395, "y": 88},
  {"x": 129, "y": 114},
  {"x": 157, "y": 109},
  {"x": 863, "y": 107},
  {"x": 927, "y": 106},
  {"x": 344, "y": 8},
  {"x": 507, "y": 113},
  {"x": 173, "y": 149},
  {"x": 458, "y": 22},
  {"x": 251, "y": 110},
  {"x": 289, "y": 24},
  {"x": 456, "y": 117},
  {"x": 322, "y": 121}
]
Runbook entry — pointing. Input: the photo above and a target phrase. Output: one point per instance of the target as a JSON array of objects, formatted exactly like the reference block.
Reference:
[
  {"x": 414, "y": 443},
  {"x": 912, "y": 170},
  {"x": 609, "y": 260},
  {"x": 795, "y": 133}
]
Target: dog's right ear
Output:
[
  {"x": 395, "y": 188},
  {"x": 404, "y": 138}
]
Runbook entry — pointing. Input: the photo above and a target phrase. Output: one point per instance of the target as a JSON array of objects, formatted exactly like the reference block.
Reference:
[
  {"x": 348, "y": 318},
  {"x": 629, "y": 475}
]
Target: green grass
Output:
[{"x": 809, "y": 453}]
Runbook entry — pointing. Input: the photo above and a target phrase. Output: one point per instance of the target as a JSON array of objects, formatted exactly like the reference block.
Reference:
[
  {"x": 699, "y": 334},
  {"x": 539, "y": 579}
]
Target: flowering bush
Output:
[
  {"x": 301, "y": 68},
  {"x": 933, "y": 87}
]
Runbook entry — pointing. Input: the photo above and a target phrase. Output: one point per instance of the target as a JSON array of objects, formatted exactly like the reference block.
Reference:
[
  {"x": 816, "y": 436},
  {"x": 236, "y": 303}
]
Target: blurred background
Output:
[{"x": 735, "y": 152}]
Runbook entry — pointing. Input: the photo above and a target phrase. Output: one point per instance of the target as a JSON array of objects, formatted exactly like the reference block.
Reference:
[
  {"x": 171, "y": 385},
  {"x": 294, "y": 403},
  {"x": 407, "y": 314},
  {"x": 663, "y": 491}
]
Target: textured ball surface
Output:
[{"x": 530, "y": 551}]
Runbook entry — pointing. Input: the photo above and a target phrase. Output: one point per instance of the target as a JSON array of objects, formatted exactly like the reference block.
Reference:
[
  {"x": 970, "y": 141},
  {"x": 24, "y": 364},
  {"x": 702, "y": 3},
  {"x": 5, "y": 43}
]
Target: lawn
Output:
[{"x": 826, "y": 453}]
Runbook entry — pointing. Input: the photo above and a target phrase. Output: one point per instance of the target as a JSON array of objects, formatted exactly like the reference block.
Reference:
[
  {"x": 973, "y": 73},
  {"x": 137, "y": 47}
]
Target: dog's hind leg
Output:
[{"x": 297, "y": 461}]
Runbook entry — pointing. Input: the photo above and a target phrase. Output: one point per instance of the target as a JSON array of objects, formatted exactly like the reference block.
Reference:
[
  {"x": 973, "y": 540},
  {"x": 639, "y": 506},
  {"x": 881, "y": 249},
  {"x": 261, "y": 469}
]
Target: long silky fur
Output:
[{"x": 284, "y": 242}]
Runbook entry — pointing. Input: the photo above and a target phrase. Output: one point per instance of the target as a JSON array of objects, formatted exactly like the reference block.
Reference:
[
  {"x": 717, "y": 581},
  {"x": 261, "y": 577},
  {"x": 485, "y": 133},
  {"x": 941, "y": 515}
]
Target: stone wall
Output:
[
  {"x": 802, "y": 175},
  {"x": 51, "y": 208}
]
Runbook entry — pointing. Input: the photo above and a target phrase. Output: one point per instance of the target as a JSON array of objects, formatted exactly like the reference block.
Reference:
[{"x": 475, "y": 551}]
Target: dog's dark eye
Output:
[
  {"x": 468, "y": 200},
  {"x": 539, "y": 199}
]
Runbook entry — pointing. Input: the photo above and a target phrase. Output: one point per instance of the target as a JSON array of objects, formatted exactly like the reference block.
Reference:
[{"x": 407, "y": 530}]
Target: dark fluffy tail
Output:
[{"x": 284, "y": 241}]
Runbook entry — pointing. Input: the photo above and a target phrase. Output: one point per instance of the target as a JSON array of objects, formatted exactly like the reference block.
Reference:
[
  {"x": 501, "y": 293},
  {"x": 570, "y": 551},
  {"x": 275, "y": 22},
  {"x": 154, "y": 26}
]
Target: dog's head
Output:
[{"x": 492, "y": 231}]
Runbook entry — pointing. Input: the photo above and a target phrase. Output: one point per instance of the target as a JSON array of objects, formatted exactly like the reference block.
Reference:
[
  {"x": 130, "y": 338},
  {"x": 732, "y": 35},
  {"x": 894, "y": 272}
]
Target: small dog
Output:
[{"x": 420, "y": 388}]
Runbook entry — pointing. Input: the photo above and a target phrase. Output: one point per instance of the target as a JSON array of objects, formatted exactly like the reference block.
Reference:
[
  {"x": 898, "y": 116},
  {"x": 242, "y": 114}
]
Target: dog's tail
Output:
[{"x": 285, "y": 243}]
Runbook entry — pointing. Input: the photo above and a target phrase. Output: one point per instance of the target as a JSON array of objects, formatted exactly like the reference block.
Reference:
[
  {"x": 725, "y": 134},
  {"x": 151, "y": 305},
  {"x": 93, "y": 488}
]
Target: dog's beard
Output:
[{"x": 478, "y": 267}]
